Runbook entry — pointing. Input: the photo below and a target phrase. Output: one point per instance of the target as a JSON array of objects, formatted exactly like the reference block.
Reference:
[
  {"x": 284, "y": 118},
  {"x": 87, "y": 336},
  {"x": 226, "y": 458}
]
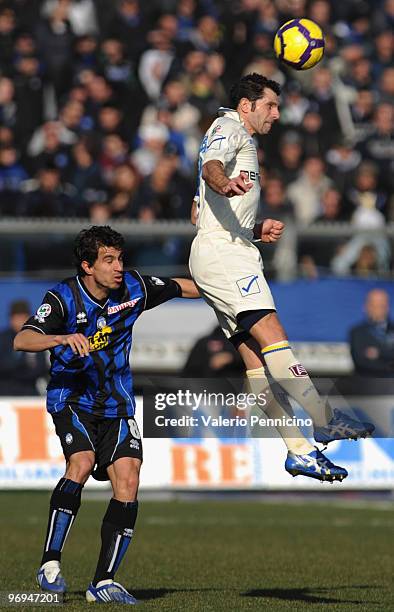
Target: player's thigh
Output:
[
  {"x": 77, "y": 432},
  {"x": 229, "y": 273},
  {"x": 118, "y": 438}
]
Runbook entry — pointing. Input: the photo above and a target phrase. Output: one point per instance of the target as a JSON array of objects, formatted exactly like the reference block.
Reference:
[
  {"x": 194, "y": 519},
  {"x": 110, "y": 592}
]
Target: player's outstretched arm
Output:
[
  {"x": 35, "y": 342},
  {"x": 213, "y": 174},
  {"x": 189, "y": 288}
]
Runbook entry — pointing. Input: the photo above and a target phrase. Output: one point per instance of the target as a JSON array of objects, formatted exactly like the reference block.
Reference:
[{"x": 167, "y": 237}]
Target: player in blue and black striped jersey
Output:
[{"x": 87, "y": 322}]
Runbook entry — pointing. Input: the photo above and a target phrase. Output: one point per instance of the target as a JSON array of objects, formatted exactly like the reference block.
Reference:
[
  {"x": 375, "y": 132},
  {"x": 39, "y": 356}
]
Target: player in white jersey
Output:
[{"x": 228, "y": 270}]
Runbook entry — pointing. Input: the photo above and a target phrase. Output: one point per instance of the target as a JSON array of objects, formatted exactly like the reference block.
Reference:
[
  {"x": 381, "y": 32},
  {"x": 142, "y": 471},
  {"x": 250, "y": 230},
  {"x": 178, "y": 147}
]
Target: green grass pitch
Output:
[{"x": 217, "y": 555}]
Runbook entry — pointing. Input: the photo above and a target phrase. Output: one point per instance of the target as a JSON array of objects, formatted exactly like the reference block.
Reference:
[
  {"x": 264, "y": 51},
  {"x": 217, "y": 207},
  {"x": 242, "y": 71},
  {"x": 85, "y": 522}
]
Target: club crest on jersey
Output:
[
  {"x": 119, "y": 307},
  {"x": 101, "y": 323},
  {"x": 69, "y": 438},
  {"x": 100, "y": 339},
  {"x": 81, "y": 318},
  {"x": 43, "y": 312},
  {"x": 298, "y": 370}
]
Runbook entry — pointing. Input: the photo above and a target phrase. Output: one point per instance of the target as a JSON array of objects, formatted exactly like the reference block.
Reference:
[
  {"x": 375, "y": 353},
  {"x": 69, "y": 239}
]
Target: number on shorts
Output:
[{"x": 135, "y": 432}]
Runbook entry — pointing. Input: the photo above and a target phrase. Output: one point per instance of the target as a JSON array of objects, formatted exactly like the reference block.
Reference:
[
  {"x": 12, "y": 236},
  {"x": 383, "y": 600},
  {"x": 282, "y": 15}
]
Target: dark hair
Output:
[
  {"x": 88, "y": 242},
  {"x": 251, "y": 86},
  {"x": 19, "y": 307}
]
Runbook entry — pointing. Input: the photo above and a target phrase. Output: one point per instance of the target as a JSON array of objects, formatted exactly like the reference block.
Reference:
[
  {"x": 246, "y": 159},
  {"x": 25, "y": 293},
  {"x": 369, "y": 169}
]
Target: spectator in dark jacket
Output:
[
  {"x": 213, "y": 356},
  {"x": 19, "y": 372},
  {"x": 372, "y": 342}
]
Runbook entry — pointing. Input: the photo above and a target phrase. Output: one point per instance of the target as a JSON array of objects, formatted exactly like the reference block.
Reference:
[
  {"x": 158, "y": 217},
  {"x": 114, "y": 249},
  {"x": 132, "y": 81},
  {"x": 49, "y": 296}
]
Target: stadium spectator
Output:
[
  {"x": 48, "y": 197},
  {"x": 342, "y": 161},
  {"x": 20, "y": 373},
  {"x": 124, "y": 185},
  {"x": 364, "y": 192},
  {"x": 331, "y": 206},
  {"x": 369, "y": 231},
  {"x": 290, "y": 156},
  {"x": 165, "y": 190},
  {"x": 81, "y": 14},
  {"x": 128, "y": 25},
  {"x": 372, "y": 342},
  {"x": 213, "y": 356},
  {"x": 306, "y": 191},
  {"x": 83, "y": 172},
  {"x": 55, "y": 41},
  {"x": 155, "y": 63},
  {"x": 378, "y": 146}
]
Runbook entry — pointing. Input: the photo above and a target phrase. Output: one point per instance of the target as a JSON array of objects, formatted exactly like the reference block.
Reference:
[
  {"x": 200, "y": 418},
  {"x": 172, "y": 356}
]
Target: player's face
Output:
[
  {"x": 266, "y": 111},
  {"x": 107, "y": 270}
]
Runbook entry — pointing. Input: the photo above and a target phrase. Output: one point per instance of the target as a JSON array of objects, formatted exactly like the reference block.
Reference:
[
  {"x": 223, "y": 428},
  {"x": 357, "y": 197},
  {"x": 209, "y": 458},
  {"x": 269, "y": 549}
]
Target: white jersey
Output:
[{"x": 228, "y": 141}]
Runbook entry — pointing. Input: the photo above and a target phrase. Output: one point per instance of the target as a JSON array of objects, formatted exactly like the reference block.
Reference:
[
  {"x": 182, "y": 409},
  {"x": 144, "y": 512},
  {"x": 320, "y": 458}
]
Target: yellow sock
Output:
[
  {"x": 291, "y": 434},
  {"x": 286, "y": 369}
]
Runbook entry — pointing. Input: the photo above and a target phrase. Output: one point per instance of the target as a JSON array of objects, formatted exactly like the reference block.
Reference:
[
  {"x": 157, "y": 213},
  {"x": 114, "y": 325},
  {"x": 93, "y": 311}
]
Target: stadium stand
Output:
[{"x": 102, "y": 107}]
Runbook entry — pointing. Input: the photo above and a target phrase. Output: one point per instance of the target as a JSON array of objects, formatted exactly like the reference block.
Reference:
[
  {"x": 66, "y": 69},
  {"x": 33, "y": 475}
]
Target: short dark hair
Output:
[
  {"x": 251, "y": 86},
  {"x": 88, "y": 242},
  {"x": 19, "y": 307}
]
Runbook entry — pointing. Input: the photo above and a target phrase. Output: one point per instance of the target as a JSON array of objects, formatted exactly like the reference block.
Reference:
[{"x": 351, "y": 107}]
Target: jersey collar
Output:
[
  {"x": 230, "y": 113},
  {"x": 95, "y": 301}
]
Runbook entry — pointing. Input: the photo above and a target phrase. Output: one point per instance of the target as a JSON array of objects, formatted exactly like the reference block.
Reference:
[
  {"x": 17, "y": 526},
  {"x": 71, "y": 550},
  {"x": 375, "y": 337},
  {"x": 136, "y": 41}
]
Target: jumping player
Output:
[{"x": 228, "y": 270}]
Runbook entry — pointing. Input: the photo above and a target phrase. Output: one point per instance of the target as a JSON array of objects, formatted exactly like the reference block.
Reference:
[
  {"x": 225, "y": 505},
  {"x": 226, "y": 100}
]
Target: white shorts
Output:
[{"x": 228, "y": 270}]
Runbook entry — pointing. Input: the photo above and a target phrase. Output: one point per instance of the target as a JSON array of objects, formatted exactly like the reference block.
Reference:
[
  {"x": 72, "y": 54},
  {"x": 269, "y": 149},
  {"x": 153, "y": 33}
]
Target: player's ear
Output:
[
  {"x": 86, "y": 268},
  {"x": 245, "y": 105}
]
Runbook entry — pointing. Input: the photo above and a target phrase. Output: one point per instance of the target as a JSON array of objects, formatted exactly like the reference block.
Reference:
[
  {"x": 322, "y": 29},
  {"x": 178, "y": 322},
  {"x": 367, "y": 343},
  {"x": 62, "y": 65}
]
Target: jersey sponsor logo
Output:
[
  {"x": 101, "y": 322},
  {"x": 100, "y": 339},
  {"x": 81, "y": 318},
  {"x": 157, "y": 281},
  {"x": 119, "y": 307},
  {"x": 298, "y": 370},
  {"x": 249, "y": 285},
  {"x": 252, "y": 175},
  {"x": 43, "y": 312}
]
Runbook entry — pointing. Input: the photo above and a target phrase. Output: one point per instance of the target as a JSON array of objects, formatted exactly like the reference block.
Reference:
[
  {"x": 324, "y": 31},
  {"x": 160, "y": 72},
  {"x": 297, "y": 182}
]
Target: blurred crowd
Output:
[{"x": 103, "y": 106}]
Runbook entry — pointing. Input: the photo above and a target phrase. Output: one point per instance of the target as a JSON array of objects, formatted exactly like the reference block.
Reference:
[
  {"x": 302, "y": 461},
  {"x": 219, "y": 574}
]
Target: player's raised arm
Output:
[{"x": 214, "y": 175}]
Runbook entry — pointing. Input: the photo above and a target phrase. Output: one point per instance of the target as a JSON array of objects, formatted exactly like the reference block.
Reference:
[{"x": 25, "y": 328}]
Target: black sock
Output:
[
  {"x": 116, "y": 533},
  {"x": 64, "y": 506}
]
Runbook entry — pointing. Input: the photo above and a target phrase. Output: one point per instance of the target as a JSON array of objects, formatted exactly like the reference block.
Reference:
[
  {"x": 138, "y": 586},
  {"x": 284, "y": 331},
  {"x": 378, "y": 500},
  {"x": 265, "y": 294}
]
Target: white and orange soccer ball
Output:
[{"x": 299, "y": 43}]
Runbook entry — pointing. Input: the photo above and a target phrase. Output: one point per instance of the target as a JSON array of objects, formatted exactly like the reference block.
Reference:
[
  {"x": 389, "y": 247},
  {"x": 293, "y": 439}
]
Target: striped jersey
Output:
[{"x": 100, "y": 383}]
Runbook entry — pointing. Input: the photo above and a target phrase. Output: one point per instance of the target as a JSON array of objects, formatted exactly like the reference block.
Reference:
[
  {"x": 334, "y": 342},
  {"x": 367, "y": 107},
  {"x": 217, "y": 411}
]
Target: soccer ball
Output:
[{"x": 299, "y": 43}]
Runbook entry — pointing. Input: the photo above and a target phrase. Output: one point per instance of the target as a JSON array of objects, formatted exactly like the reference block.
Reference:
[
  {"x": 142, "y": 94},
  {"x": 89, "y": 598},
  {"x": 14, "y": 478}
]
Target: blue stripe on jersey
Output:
[{"x": 104, "y": 384}]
